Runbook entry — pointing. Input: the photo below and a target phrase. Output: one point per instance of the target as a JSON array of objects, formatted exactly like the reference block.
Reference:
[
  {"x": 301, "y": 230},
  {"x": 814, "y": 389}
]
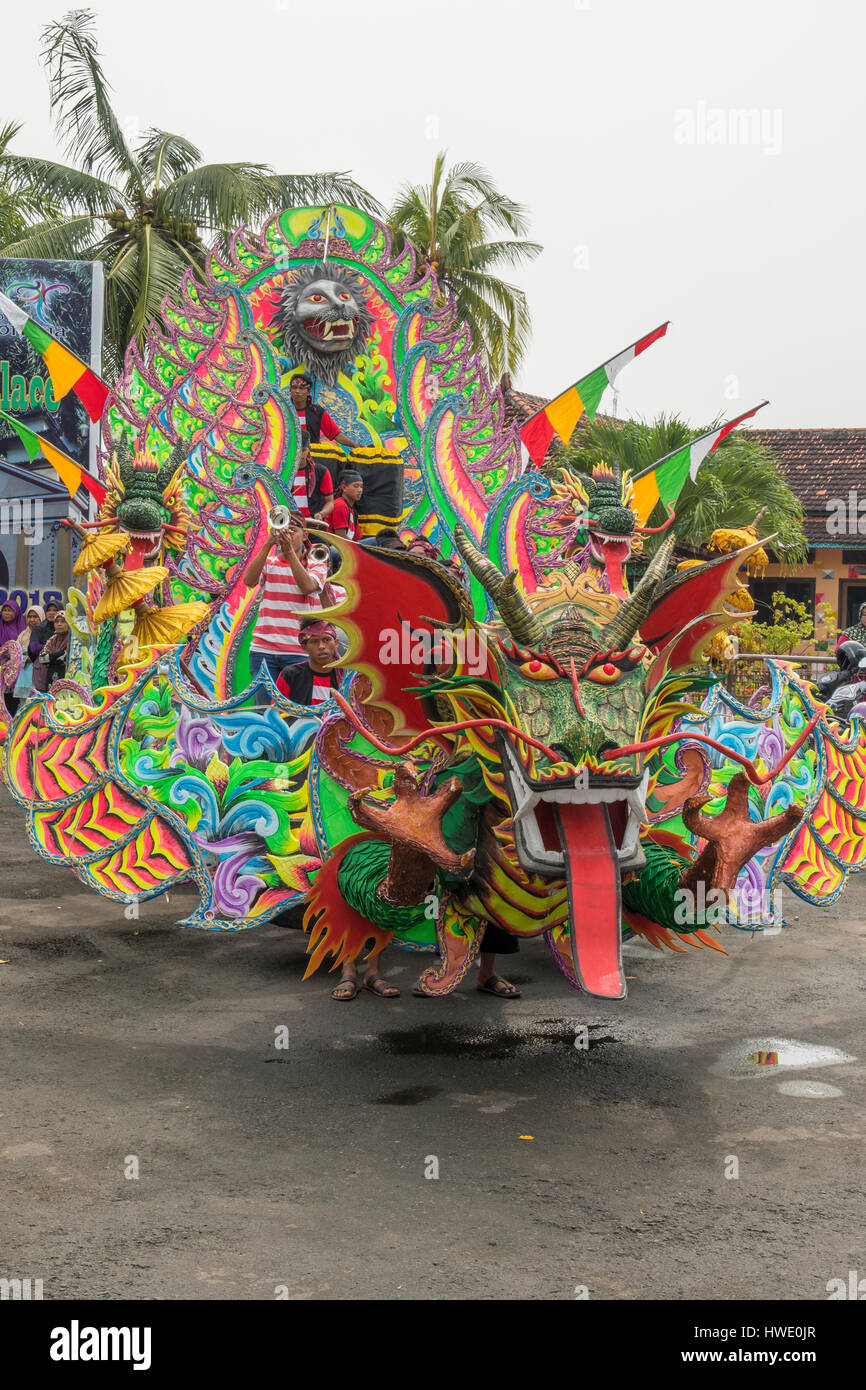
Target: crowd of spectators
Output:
[{"x": 43, "y": 635}]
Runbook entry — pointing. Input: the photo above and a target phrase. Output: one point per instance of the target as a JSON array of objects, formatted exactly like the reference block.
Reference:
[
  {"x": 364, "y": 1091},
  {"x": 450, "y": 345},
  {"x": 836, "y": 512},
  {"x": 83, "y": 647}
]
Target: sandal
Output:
[
  {"x": 377, "y": 984},
  {"x": 492, "y": 986},
  {"x": 345, "y": 984}
]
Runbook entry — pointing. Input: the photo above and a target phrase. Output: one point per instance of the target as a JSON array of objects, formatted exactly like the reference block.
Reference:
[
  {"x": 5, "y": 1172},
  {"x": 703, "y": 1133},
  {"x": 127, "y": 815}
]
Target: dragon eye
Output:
[
  {"x": 608, "y": 674},
  {"x": 538, "y": 671}
]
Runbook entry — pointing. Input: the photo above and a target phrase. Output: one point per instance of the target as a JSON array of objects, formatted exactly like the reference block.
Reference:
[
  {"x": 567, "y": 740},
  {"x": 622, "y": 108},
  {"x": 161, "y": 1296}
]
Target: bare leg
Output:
[
  {"x": 348, "y": 986},
  {"x": 376, "y": 982},
  {"x": 487, "y": 972}
]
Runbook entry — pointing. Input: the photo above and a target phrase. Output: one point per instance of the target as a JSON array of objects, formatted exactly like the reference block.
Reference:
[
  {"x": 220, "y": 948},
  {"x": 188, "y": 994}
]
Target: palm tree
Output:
[
  {"x": 739, "y": 478},
  {"x": 449, "y": 222},
  {"x": 146, "y": 209},
  {"x": 21, "y": 203}
]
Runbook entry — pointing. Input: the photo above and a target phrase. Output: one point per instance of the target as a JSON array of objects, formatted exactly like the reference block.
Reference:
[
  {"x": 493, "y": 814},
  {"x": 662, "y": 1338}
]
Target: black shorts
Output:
[{"x": 500, "y": 942}]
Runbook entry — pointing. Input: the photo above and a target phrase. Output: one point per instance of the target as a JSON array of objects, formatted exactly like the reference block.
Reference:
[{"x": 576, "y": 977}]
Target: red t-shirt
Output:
[
  {"x": 343, "y": 518},
  {"x": 328, "y": 427}
]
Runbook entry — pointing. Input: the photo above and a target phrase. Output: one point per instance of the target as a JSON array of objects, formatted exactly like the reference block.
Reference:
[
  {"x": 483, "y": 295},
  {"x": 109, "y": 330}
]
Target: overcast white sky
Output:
[{"x": 608, "y": 118}]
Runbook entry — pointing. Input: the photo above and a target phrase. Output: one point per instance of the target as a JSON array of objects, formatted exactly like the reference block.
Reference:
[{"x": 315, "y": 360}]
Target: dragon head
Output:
[
  {"x": 553, "y": 699},
  {"x": 574, "y": 690}
]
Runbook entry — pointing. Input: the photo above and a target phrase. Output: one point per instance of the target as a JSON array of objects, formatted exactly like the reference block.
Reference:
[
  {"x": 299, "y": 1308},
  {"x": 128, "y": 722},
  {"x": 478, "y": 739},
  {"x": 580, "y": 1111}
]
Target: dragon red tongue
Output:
[
  {"x": 594, "y": 898},
  {"x": 614, "y": 571}
]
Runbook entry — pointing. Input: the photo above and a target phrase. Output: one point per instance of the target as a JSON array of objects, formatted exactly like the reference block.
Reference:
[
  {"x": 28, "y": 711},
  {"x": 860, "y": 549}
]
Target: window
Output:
[
  {"x": 852, "y": 595},
  {"x": 801, "y": 590}
]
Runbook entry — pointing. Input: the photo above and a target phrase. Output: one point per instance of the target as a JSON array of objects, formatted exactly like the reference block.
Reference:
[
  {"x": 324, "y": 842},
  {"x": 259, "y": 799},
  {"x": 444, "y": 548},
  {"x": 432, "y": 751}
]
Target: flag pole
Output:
[
  {"x": 327, "y": 234},
  {"x": 727, "y": 427},
  {"x": 542, "y": 408}
]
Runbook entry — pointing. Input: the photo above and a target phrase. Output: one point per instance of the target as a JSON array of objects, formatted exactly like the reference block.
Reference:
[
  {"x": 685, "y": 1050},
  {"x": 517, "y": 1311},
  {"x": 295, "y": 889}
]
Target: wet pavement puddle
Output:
[
  {"x": 809, "y": 1090},
  {"x": 766, "y": 1056},
  {"x": 489, "y": 1043},
  {"x": 412, "y": 1095}
]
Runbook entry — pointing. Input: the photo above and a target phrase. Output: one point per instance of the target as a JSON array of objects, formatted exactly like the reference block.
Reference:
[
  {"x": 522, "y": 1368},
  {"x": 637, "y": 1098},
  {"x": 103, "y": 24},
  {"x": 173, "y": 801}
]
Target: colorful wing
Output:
[
  {"x": 826, "y": 778},
  {"x": 390, "y": 600}
]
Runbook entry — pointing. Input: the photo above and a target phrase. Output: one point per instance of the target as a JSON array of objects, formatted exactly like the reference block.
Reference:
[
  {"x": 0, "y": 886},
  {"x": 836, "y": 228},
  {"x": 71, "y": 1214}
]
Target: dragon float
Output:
[{"x": 536, "y": 747}]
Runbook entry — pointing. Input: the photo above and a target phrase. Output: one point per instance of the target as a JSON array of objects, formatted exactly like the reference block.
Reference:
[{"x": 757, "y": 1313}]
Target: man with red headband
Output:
[
  {"x": 343, "y": 520},
  {"x": 311, "y": 682}
]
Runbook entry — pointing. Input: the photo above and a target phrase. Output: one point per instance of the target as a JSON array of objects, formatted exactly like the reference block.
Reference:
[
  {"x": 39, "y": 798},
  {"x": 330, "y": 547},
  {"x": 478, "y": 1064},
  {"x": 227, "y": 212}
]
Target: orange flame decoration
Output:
[{"x": 333, "y": 925}]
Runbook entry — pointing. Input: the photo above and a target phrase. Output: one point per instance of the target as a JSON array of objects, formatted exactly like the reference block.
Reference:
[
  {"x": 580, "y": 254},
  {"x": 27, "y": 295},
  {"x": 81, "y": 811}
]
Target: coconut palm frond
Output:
[
  {"x": 159, "y": 271},
  {"x": 513, "y": 253},
  {"x": 296, "y": 190},
  {"x": 449, "y": 221},
  {"x": 84, "y": 117},
  {"x": 60, "y": 183},
  {"x": 508, "y": 306},
  {"x": 220, "y": 197},
  {"x": 163, "y": 157},
  {"x": 59, "y": 239}
]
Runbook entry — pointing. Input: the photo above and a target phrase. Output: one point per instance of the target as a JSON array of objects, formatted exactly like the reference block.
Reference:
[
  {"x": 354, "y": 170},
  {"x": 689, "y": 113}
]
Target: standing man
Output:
[
  {"x": 310, "y": 682},
  {"x": 343, "y": 520},
  {"x": 316, "y": 421},
  {"x": 313, "y": 487},
  {"x": 291, "y": 582},
  {"x": 320, "y": 484}
]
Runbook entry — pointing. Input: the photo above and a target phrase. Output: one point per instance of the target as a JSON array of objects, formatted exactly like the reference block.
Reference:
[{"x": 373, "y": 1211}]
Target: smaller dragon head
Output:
[
  {"x": 145, "y": 502},
  {"x": 594, "y": 518}
]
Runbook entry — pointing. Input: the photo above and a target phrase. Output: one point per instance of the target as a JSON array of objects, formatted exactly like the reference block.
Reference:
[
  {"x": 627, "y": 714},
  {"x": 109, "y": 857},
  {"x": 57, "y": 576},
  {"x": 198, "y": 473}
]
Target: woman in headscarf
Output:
[
  {"x": 41, "y": 634},
  {"x": 11, "y": 623},
  {"x": 24, "y": 684},
  {"x": 50, "y": 664},
  {"x": 857, "y": 631}
]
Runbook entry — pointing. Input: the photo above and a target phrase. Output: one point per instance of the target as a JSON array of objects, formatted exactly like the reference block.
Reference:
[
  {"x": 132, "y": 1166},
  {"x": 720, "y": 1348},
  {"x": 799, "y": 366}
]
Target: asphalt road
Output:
[{"x": 303, "y": 1166}]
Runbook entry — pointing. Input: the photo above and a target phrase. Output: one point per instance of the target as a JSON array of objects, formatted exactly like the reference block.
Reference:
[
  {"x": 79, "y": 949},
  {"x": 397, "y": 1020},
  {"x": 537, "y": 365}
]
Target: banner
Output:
[{"x": 65, "y": 299}]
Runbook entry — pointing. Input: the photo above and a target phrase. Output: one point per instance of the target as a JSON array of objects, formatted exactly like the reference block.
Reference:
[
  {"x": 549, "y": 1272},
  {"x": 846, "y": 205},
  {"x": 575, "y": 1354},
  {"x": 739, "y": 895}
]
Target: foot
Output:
[
  {"x": 494, "y": 985},
  {"x": 346, "y": 989},
  {"x": 377, "y": 984}
]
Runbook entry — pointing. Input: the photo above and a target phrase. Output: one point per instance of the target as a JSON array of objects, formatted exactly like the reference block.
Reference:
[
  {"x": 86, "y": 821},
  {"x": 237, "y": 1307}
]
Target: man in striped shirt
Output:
[
  {"x": 313, "y": 487},
  {"x": 311, "y": 682},
  {"x": 291, "y": 584}
]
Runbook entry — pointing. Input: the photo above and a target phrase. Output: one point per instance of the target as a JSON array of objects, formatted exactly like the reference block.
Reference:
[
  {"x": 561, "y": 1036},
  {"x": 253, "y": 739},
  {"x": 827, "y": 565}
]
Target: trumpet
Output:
[
  {"x": 279, "y": 518},
  {"x": 320, "y": 552}
]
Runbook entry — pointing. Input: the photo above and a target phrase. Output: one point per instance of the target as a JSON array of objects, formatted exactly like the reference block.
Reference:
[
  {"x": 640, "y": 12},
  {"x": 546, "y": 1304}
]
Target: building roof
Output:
[{"x": 819, "y": 466}]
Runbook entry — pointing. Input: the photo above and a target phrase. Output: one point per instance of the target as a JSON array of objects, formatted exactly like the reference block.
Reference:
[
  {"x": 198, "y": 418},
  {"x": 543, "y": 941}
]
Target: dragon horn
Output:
[
  {"x": 519, "y": 618},
  {"x": 631, "y": 613},
  {"x": 176, "y": 460},
  {"x": 515, "y": 612},
  {"x": 123, "y": 457},
  {"x": 488, "y": 575}
]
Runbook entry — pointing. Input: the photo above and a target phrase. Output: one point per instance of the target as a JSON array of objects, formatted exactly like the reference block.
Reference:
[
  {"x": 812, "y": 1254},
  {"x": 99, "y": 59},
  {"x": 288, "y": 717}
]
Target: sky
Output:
[{"x": 683, "y": 159}]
